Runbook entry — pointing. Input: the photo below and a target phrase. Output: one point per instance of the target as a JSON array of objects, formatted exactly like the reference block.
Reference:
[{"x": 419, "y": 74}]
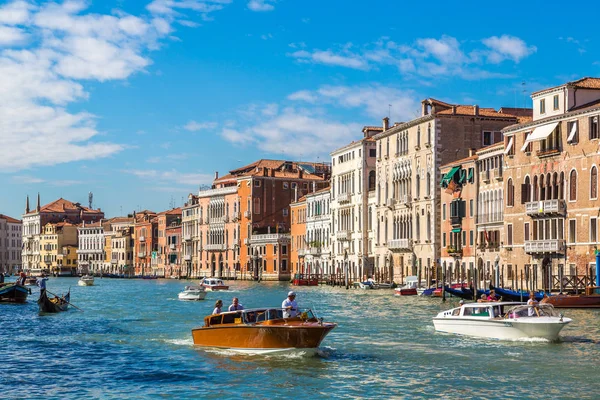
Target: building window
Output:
[
  {"x": 594, "y": 183},
  {"x": 471, "y": 207},
  {"x": 572, "y": 231},
  {"x": 509, "y": 234},
  {"x": 283, "y": 265},
  {"x": 256, "y": 183},
  {"x": 286, "y": 185},
  {"x": 471, "y": 238},
  {"x": 284, "y": 250},
  {"x": 444, "y": 239},
  {"x": 555, "y": 101},
  {"x": 285, "y": 212},
  {"x": 573, "y": 137},
  {"x": 526, "y": 231},
  {"x": 593, "y": 230},
  {"x": 526, "y": 149},
  {"x": 257, "y": 205},
  {"x": 488, "y": 138},
  {"x": 510, "y": 193},
  {"x": 371, "y": 181},
  {"x": 372, "y": 153},
  {"x": 443, "y": 212},
  {"x": 573, "y": 186},
  {"x": 543, "y": 106},
  {"x": 594, "y": 127}
]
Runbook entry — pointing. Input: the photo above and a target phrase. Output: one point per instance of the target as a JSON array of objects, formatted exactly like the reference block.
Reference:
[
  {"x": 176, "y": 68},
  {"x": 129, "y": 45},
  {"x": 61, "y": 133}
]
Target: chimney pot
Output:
[
  {"x": 475, "y": 109},
  {"x": 386, "y": 123},
  {"x": 216, "y": 175},
  {"x": 453, "y": 110}
]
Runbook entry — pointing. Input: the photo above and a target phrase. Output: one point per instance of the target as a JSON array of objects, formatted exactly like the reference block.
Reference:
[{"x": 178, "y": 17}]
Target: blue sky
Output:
[{"x": 141, "y": 101}]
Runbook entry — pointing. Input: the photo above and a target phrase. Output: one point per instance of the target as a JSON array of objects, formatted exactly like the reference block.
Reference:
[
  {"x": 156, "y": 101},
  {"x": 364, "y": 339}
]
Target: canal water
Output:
[{"x": 133, "y": 341}]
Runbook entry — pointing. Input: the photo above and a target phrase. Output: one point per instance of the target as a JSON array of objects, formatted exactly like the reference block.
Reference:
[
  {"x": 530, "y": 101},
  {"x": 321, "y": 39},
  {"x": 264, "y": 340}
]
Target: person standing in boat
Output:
[
  {"x": 532, "y": 311},
  {"x": 236, "y": 306},
  {"x": 290, "y": 306},
  {"x": 41, "y": 282},
  {"x": 218, "y": 306}
]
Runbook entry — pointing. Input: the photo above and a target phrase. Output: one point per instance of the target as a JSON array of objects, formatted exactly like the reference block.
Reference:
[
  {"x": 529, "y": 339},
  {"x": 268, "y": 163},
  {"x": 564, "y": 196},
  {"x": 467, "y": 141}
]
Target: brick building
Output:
[
  {"x": 145, "y": 239},
  {"x": 10, "y": 244},
  {"x": 298, "y": 242}
]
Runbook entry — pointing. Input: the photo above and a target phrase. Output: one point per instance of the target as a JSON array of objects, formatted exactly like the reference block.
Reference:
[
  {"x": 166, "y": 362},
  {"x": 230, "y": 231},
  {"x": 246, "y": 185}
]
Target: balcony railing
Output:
[
  {"x": 314, "y": 251},
  {"x": 172, "y": 246},
  {"x": 400, "y": 244},
  {"x": 487, "y": 218},
  {"x": 218, "y": 191},
  {"x": 246, "y": 241},
  {"x": 454, "y": 251},
  {"x": 187, "y": 257},
  {"x": 142, "y": 239},
  {"x": 548, "y": 152},
  {"x": 343, "y": 235},
  {"x": 301, "y": 252},
  {"x": 270, "y": 237},
  {"x": 218, "y": 220},
  {"x": 455, "y": 220},
  {"x": 497, "y": 172},
  {"x": 485, "y": 176},
  {"x": 235, "y": 216},
  {"x": 187, "y": 237},
  {"x": 141, "y": 254},
  {"x": 545, "y": 246},
  {"x": 555, "y": 206},
  {"x": 247, "y": 214},
  {"x": 389, "y": 203},
  {"x": 344, "y": 197},
  {"x": 215, "y": 247},
  {"x": 235, "y": 242}
]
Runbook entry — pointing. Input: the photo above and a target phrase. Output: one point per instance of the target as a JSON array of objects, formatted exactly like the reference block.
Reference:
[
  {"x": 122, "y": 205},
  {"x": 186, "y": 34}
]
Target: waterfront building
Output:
[
  {"x": 34, "y": 220},
  {"x": 174, "y": 262},
  {"x": 409, "y": 156},
  {"x": 10, "y": 244},
  {"x": 190, "y": 228},
  {"x": 353, "y": 178},
  {"x": 145, "y": 239},
  {"x": 161, "y": 260},
  {"x": 119, "y": 245},
  {"x": 317, "y": 244},
  {"x": 58, "y": 249},
  {"x": 90, "y": 254},
  {"x": 551, "y": 188},
  {"x": 458, "y": 198},
  {"x": 298, "y": 243}
]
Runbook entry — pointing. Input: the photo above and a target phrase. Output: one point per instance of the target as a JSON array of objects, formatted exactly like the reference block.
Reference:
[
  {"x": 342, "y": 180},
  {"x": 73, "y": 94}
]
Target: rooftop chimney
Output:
[
  {"x": 475, "y": 109},
  {"x": 27, "y": 205},
  {"x": 453, "y": 110},
  {"x": 314, "y": 187},
  {"x": 471, "y": 152},
  {"x": 216, "y": 175},
  {"x": 386, "y": 123}
]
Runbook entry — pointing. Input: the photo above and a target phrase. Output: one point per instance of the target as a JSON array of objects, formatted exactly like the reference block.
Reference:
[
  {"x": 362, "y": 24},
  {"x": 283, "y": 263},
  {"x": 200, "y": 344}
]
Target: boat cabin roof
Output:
[
  {"x": 249, "y": 316},
  {"x": 212, "y": 281}
]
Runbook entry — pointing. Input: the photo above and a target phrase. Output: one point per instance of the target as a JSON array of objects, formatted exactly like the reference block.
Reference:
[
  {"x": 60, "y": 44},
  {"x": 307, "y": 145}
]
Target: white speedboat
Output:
[
  {"x": 192, "y": 293},
  {"x": 213, "y": 284},
  {"x": 86, "y": 280},
  {"x": 502, "y": 320}
]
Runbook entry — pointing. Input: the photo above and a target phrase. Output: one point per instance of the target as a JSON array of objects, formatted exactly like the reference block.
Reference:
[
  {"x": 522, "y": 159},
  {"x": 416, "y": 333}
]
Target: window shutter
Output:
[{"x": 463, "y": 209}]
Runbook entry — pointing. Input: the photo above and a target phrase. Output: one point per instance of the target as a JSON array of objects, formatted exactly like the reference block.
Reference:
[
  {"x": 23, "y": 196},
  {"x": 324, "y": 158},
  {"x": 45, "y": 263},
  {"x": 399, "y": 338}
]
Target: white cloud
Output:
[
  {"x": 40, "y": 79},
  {"x": 172, "y": 176},
  {"x": 194, "y": 126},
  {"x": 328, "y": 57},
  {"x": 261, "y": 5},
  {"x": 507, "y": 47}
]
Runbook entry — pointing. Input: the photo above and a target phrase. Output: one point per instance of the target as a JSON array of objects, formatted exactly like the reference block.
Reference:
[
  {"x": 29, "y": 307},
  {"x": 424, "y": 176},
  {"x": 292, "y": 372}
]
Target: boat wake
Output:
[{"x": 179, "y": 342}]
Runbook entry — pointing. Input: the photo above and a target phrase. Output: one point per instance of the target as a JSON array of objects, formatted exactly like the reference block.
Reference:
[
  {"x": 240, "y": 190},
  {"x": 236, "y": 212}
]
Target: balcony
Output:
[
  {"x": 218, "y": 192},
  {"x": 314, "y": 251},
  {"x": 235, "y": 243},
  {"x": 270, "y": 238},
  {"x": 141, "y": 254},
  {"x": 544, "y": 207},
  {"x": 172, "y": 246},
  {"x": 545, "y": 246},
  {"x": 454, "y": 251},
  {"x": 246, "y": 241},
  {"x": 344, "y": 198},
  {"x": 142, "y": 239},
  {"x": 247, "y": 214},
  {"x": 404, "y": 200},
  {"x": 215, "y": 247},
  {"x": 484, "y": 176},
  {"x": 547, "y": 152},
  {"x": 399, "y": 245},
  {"x": 343, "y": 235},
  {"x": 235, "y": 216},
  {"x": 187, "y": 237},
  {"x": 187, "y": 257},
  {"x": 301, "y": 252},
  {"x": 218, "y": 220},
  {"x": 497, "y": 173},
  {"x": 200, "y": 220},
  {"x": 455, "y": 220},
  {"x": 389, "y": 203}
]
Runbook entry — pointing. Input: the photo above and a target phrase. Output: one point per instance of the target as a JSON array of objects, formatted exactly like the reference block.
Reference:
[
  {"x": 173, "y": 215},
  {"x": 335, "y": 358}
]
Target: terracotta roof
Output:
[
  {"x": 499, "y": 144},
  {"x": 325, "y": 189},
  {"x": 373, "y": 128},
  {"x": 583, "y": 83},
  {"x": 470, "y": 110},
  {"x": 279, "y": 168},
  {"x": 173, "y": 211},
  {"x": 116, "y": 220},
  {"x": 61, "y": 205},
  {"x": 96, "y": 224},
  {"x": 10, "y": 219}
]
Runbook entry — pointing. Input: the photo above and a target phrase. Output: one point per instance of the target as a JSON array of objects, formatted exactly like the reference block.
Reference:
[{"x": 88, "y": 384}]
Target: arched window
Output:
[
  {"x": 397, "y": 144},
  {"x": 419, "y": 136},
  {"x": 418, "y": 186},
  {"x": 428, "y": 184},
  {"x": 370, "y": 217},
  {"x": 561, "y": 186},
  {"x": 594, "y": 183},
  {"x": 527, "y": 189},
  {"x": 510, "y": 193},
  {"x": 573, "y": 186},
  {"x": 429, "y": 133},
  {"x": 535, "y": 188},
  {"x": 371, "y": 181},
  {"x": 542, "y": 188}
]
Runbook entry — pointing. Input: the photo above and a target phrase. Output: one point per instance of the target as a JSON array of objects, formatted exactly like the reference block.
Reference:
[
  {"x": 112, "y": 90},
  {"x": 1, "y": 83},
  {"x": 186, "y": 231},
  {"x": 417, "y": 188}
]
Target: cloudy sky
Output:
[{"x": 141, "y": 102}]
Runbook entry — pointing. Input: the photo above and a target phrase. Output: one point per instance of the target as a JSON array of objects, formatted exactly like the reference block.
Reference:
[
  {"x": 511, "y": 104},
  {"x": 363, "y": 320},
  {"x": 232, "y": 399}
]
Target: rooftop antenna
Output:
[
  {"x": 121, "y": 213},
  {"x": 90, "y": 198},
  {"x": 524, "y": 86}
]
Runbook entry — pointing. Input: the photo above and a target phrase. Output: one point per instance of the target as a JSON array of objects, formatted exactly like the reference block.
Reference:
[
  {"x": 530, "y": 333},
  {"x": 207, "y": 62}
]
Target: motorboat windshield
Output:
[
  {"x": 538, "y": 310},
  {"x": 257, "y": 316}
]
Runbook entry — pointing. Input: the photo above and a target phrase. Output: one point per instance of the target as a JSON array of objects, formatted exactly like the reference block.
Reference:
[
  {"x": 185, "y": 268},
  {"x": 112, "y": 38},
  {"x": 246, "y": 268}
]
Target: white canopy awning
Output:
[
  {"x": 573, "y": 132},
  {"x": 526, "y": 142},
  {"x": 539, "y": 133},
  {"x": 510, "y": 145}
]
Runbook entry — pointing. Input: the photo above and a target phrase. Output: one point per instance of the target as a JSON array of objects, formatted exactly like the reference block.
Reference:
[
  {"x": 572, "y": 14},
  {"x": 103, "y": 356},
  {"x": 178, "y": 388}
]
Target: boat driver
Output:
[
  {"x": 236, "y": 306},
  {"x": 290, "y": 306}
]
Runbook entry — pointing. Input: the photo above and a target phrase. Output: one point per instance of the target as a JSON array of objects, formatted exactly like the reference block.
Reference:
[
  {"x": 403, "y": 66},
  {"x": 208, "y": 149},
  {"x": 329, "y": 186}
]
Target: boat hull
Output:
[
  {"x": 86, "y": 282},
  {"x": 501, "y": 329},
  {"x": 263, "y": 337},
  {"x": 192, "y": 296},
  {"x": 215, "y": 288},
  {"x": 305, "y": 282},
  {"x": 573, "y": 301},
  {"x": 13, "y": 293},
  {"x": 406, "y": 292},
  {"x": 46, "y": 305}
]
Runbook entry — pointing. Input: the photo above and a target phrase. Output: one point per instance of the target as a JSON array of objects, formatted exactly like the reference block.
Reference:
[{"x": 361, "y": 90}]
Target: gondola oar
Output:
[{"x": 60, "y": 297}]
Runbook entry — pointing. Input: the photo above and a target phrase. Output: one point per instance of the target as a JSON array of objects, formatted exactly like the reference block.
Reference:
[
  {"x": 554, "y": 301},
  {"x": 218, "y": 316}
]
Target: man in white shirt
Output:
[
  {"x": 236, "y": 306},
  {"x": 290, "y": 306}
]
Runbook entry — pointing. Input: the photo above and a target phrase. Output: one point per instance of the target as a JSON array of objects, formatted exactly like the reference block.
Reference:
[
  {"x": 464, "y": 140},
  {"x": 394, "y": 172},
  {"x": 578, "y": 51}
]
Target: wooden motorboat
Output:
[
  {"x": 54, "y": 304},
  {"x": 305, "y": 280},
  {"x": 86, "y": 280},
  {"x": 192, "y": 292},
  {"x": 591, "y": 299},
  {"x": 262, "y": 330},
  {"x": 502, "y": 320},
  {"x": 213, "y": 284},
  {"x": 13, "y": 293},
  {"x": 410, "y": 288}
]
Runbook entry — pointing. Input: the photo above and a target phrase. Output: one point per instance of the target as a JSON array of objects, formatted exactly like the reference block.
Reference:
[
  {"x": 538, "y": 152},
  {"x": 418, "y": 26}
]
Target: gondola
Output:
[
  {"x": 54, "y": 304},
  {"x": 465, "y": 292},
  {"x": 14, "y": 293},
  {"x": 513, "y": 295}
]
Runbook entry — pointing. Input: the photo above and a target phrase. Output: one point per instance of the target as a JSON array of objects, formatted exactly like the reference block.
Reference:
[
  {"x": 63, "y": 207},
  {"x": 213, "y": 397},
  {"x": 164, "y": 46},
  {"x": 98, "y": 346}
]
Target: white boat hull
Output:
[
  {"x": 86, "y": 282},
  {"x": 192, "y": 296},
  {"x": 545, "y": 328}
]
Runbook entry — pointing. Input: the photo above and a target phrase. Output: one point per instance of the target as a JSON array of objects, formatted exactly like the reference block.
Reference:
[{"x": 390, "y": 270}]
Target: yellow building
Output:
[{"x": 58, "y": 248}]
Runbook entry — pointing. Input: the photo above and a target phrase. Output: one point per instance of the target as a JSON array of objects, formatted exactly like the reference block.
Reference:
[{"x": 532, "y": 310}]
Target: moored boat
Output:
[
  {"x": 262, "y": 330},
  {"x": 305, "y": 280},
  {"x": 54, "y": 304},
  {"x": 410, "y": 288},
  {"x": 192, "y": 292},
  {"x": 213, "y": 284},
  {"x": 86, "y": 280},
  {"x": 515, "y": 295},
  {"x": 502, "y": 320},
  {"x": 590, "y": 299},
  {"x": 13, "y": 293}
]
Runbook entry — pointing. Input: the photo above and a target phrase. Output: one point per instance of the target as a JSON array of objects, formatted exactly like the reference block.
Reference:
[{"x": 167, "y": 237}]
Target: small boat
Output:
[
  {"x": 502, "y": 320},
  {"x": 54, "y": 304},
  {"x": 86, "y": 280},
  {"x": 425, "y": 291},
  {"x": 262, "y": 330},
  {"x": 464, "y": 292},
  {"x": 192, "y": 292},
  {"x": 305, "y": 280},
  {"x": 591, "y": 299},
  {"x": 410, "y": 289},
  {"x": 213, "y": 284},
  {"x": 13, "y": 293}
]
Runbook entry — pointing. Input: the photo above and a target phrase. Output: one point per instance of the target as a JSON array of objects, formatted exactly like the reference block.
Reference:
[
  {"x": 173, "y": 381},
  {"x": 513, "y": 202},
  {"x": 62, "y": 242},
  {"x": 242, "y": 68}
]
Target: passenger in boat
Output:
[
  {"x": 236, "y": 306},
  {"x": 492, "y": 296},
  {"x": 290, "y": 306},
  {"x": 482, "y": 299},
  {"x": 218, "y": 306},
  {"x": 532, "y": 311},
  {"x": 22, "y": 279}
]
